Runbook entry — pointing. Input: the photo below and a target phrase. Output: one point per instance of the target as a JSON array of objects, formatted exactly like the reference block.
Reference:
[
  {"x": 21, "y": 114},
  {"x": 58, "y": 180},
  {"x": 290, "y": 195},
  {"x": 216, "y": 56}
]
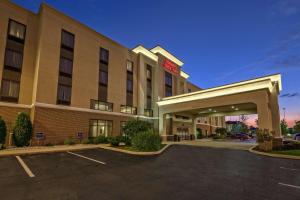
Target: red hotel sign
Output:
[{"x": 169, "y": 65}]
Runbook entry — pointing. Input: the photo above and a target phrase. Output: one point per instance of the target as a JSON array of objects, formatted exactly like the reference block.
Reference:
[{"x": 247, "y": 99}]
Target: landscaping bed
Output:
[
  {"x": 295, "y": 152},
  {"x": 130, "y": 148}
]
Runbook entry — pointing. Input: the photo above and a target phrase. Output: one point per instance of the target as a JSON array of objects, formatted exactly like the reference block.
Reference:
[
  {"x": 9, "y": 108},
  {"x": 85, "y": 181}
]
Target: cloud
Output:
[
  {"x": 290, "y": 95},
  {"x": 284, "y": 7}
]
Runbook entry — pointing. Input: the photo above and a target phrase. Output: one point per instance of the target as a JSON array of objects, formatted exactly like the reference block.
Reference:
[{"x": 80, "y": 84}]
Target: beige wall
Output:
[{"x": 85, "y": 64}]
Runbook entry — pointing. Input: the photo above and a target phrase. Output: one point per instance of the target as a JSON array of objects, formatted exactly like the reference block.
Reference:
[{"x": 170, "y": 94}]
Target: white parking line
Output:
[
  {"x": 25, "y": 167},
  {"x": 288, "y": 185},
  {"x": 81, "y": 156},
  {"x": 291, "y": 169}
]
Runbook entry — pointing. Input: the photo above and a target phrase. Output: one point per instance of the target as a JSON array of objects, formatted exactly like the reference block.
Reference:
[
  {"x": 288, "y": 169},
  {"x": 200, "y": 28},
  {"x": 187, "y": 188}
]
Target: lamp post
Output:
[{"x": 283, "y": 113}]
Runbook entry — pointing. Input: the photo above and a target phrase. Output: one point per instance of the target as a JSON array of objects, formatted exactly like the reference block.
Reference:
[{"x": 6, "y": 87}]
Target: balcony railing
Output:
[
  {"x": 148, "y": 112},
  {"x": 101, "y": 105},
  {"x": 128, "y": 109}
]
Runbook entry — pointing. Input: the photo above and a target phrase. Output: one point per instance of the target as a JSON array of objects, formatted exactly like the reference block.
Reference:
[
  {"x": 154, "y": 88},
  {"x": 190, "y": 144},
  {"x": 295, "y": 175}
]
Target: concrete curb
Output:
[
  {"x": 44, "y": 150},
  {"x": 65, "y": 148},
  {"x": 273, "y": 155},
  {"x": 137, "y": 153}
]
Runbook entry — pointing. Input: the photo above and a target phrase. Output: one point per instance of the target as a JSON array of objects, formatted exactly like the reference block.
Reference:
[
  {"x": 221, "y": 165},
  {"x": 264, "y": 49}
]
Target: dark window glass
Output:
[
  {"x": 168, "y": 79},
  {"x": 168, "y": 84},
  {"x": 149, "y": 102},
  {"x": 13, "y": 59},
  {"x": 67, "y": 39},
  {"x": 10, "y": 89},
  {"x": 64, "y": 94},
  {"x": 189, "y": 90},
  {"x": 16, "y": 30},
  {"x": 102, "y": 94},
  {"x": 104, "y": 55},
  {"x": 168, "y": 91},
  {"x": 103, "y": 77},
  {"x": 129, "y": 86},
  {"x": 129, "y": 99},
  {"x": 65, "y": 65}
]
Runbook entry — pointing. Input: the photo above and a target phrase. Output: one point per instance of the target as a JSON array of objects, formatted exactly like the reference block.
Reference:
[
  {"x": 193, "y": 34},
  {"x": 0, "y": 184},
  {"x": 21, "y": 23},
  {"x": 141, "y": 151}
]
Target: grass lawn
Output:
[
  {"x": 288, "y": 152},
  {"x": 130, "y": 148}
]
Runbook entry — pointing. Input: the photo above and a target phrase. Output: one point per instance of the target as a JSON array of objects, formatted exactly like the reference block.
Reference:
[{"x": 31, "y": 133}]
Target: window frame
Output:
[{"x": 11, "y": 37}]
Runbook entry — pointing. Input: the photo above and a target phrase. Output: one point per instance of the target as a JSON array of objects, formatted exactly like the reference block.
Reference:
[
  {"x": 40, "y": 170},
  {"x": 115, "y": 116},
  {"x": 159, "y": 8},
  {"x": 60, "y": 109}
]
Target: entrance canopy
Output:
[{"x": 255, "y": 96}]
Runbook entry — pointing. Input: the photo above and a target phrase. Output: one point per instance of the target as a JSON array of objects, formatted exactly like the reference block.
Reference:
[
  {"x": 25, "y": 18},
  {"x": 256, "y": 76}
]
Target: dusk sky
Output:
[{"x": 219, "y": 41}]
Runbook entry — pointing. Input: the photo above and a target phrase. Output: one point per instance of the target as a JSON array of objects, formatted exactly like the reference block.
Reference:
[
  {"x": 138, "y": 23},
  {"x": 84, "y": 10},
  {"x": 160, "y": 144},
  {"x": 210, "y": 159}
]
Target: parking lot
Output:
[{"x": 181, "y": 172}]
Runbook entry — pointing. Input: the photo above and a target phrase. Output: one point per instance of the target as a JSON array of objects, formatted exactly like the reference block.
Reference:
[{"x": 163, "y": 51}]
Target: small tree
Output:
[
  {"x": 284, "y": 127},
  {"x": 133, "y": 127},
  {"x": 2, "y": 131},
  {"x": 22, "y": 130},
  {"x": 297, "y": 127}
]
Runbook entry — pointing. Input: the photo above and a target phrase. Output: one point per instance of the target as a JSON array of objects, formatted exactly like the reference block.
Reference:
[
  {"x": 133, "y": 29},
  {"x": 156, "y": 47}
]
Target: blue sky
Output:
[{"x": 219, "y": 41}]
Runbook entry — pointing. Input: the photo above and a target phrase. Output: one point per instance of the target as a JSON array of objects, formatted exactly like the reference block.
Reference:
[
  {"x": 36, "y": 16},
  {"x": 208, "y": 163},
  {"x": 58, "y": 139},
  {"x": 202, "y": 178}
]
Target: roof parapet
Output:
[
  {"x": 146, "y": 52},
  {"x": 162, "y": 51}
]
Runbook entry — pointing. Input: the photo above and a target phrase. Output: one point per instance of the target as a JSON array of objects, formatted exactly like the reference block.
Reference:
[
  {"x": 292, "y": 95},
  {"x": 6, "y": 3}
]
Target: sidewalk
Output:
[
  {"x": 217, "y": 144},
  {"x": 48, "y": 149}
]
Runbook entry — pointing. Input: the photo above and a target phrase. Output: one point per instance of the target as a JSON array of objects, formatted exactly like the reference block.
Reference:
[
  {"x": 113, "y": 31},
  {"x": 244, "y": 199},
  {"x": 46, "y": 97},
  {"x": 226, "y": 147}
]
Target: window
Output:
[
  {"x": 16, "y": 31},
  {"x": 65, "y": 66},
  {"x": 13, "y": 59},
  {"x": 103, "y": 77},
  {"x": 102, "y": 93},
  {"x": 64, "y": 86},
  {"x": 189, "y": 90},
  {"x": 168, "y": 84},
  {"x": 149, "y": 102},
  {"x": 100, "y": 127},
  {"x": 129, "y": 66},
  {"x": 67, "y": 40},
  {"x": 101, "y": 105},
  {"x": 128, "y": 109},
  {"x": 129, "y": 83},
  {"x": 104, "y": 55},
  {"x": 149, "y": 73},
  {"x": 10, "y": 89},
  {"x": 64, "y": 94}
]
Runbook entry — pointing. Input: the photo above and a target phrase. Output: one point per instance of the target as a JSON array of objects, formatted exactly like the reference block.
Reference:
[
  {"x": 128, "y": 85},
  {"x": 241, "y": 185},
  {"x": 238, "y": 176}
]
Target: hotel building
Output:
[{"x": 71, "y": 79}]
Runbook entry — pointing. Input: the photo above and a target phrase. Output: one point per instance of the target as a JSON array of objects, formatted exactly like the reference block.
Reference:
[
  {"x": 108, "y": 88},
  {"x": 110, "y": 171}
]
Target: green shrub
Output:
[
  {"x": 2, "y": 131},
  {"x": 69, "y": 141},
  {"x": 133, "y": 127},
  {"x": 22, "y": 130},
  {"x": 221, "y": 131},
  {"x": 146, "y": 141},
  {"x": 114, "y": 141},
  {"x": 199, "y": 134},
  {"x": 101, "y": 139},
  {"x": 87, "y": 141},
  {"x": 126, "y": 140}
]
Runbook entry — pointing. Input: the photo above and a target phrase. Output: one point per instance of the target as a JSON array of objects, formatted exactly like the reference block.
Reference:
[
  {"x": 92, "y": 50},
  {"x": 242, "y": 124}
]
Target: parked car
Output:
[
  {"x": 241, "y": 136},
  {"x": 296, "y": 136}
]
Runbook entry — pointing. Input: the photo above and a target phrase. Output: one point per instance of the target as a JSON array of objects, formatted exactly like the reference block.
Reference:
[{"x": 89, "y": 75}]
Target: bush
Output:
[
  {"x": 126, "y": 140},
  {"x": 114, "y": 141},
  {"x": 146, "y": 141},
  {"x": 69, "y": 141},
  {"x": 22, "y": 130},
  {"x": 199, "y": 134},
  {"x": 289, "y": 145},
  {"x": 133, "y": 127},
  {"x": 221, "y": 131},
  {"x": 87, "y": 141},
  {"x": 1, "y": 146},
  {"x": 2, "y": 131},
  {"x": 101, "y": 139}
]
